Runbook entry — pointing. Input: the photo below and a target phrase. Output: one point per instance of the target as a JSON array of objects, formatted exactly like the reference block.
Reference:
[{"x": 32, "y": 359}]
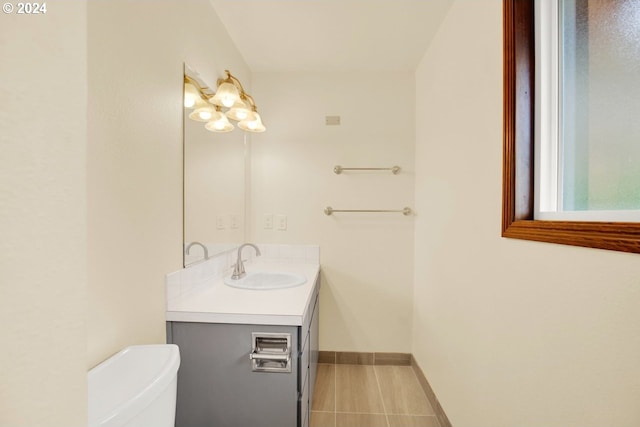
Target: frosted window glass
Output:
[{"x": 600, "y": 105}]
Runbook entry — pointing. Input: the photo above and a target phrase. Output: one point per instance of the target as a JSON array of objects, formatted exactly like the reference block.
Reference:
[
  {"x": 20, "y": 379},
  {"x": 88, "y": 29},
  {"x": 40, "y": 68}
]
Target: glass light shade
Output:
[
  {"x": 203, "y": 114},
  {"x": 226, "y": 95},
  {"x": 219, "y": 123},
  {"x": 252, "y": 125},
  {"x": 240, "y": 111},
  {"x": 191, "y": 95}
]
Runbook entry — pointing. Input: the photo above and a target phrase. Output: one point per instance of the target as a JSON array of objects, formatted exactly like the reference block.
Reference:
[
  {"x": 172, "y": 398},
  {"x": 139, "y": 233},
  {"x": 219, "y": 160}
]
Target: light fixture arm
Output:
[
  {"x": 243, "y": 94},
  {"x": 246, "y": 97},
  {"x": 231, "y": 79},
  {"x": 205, "y": 91}
]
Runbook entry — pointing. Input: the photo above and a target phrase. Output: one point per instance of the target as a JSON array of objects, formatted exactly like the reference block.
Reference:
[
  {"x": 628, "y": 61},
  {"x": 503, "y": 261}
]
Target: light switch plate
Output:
[
  {"x": 267, "y": 221},
  {"x": 220, "y": 225},
  {"x": 281, "y": 221},
  {"x": 234, "y": 221}
]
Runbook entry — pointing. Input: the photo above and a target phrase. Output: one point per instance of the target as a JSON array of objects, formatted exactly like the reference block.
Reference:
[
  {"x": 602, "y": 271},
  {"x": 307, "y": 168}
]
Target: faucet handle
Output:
[{"x": 238, "y": 271}]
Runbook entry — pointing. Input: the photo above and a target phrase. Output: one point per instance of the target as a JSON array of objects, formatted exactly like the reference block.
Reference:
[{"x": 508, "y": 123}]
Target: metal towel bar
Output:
[
  {"x": 405, "y": 211},
  {"x": 339, "y": 169}
]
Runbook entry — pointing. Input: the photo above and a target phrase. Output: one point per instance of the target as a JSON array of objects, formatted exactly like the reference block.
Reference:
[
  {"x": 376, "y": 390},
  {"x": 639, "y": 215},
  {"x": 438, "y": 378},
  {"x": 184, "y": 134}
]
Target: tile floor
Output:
[{"x": 369, "y": 396}]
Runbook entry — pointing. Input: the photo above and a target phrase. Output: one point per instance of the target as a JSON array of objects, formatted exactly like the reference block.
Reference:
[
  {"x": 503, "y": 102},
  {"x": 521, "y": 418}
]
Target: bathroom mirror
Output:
[{"x": 214, "y": 184}]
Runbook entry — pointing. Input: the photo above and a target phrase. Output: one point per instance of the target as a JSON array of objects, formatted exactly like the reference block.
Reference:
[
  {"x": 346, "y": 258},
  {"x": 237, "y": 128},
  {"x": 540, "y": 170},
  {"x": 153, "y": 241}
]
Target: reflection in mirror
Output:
[{"x": 214, "y": 180}]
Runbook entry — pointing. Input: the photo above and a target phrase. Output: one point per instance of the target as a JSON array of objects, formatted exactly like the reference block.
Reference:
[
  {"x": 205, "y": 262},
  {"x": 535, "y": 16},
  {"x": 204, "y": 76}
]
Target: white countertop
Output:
[{"x": 215, "y": 302}]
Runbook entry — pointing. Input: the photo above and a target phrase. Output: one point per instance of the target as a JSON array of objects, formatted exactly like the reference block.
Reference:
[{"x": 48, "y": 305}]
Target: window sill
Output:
[{"x": 616, "y": 236}]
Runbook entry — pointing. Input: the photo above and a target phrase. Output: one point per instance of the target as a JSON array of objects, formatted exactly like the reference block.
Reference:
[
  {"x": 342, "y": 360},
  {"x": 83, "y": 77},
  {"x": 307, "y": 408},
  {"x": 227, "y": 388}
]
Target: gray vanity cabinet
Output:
[{"x": 234, "y": 375}]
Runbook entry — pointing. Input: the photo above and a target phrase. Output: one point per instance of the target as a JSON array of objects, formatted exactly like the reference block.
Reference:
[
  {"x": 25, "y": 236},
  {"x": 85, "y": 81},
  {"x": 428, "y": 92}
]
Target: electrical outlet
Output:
[
  {"x": 267, "y": 221},
  {"x": 281, "y": 222},
  {"x": 234, "y": 221},
  {"x": 220, "y": 223}
]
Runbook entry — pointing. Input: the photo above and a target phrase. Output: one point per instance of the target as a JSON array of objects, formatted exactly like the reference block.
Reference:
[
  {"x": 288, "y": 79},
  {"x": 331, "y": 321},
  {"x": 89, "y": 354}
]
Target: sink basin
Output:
[{"x": 260, "y": 281}]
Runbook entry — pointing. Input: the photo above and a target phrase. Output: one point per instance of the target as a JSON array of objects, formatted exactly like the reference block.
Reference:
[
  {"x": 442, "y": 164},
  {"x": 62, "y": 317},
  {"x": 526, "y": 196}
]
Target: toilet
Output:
[{"x": 135, "y": 388}]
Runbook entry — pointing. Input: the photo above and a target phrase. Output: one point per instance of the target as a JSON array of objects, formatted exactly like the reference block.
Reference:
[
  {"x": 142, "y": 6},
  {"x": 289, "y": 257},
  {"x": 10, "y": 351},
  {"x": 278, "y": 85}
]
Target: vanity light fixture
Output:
[
  {"x": 240, "y": 111},
  {"x": 227, "y": 93},
  {"x": 203, "y": 114},
  {"x": 218, "y": 122},
  {"x": 252, "y": 125},
  {"x": 208, "y": 106},
  {"x": 191, "y": 95}
]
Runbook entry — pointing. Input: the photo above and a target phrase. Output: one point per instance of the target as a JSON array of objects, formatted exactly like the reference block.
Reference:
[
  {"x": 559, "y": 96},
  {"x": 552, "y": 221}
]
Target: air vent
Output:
[{"x": 332, "y": 120}]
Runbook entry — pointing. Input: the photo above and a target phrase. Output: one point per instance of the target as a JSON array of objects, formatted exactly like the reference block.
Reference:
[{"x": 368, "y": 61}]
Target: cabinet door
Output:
[
  {"x": 304, "y": 406},
  {"x": 314, "y": 348},
  {"x": 216, "y": 384},
  {"x": 305, "y": 355}
]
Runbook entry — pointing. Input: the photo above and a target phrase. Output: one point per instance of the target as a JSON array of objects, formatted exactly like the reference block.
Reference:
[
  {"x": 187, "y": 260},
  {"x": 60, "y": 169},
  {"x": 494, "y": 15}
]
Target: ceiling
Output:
[{"x": 331, "y": 35}]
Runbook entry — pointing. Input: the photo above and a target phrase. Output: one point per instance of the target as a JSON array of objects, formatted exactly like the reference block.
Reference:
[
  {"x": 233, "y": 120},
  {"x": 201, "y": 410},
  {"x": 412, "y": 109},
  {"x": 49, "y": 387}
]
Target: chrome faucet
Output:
[
  {"x": 238, "y": 270},
  {"x": 206, "y": 252}
]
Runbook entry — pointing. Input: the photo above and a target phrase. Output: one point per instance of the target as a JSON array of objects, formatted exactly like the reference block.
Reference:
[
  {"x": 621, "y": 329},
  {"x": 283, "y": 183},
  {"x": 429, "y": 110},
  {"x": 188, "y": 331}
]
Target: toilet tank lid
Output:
[{"x": 128, "y": 381}]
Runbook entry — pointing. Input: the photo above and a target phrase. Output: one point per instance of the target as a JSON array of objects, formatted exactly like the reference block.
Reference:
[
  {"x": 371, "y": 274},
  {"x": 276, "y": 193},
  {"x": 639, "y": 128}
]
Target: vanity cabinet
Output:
[{"x": 256, "y": 375}]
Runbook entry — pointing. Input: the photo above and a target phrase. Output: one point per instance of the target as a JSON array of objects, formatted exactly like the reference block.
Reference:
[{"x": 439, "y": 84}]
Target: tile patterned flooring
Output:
[{"x": 369, "y": 396}]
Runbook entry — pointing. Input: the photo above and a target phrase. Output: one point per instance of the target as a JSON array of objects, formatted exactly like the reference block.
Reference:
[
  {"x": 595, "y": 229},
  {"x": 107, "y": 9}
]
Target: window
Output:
[
  {"x": 587, "y": 101},
  {"x": 519, "y": 156}
]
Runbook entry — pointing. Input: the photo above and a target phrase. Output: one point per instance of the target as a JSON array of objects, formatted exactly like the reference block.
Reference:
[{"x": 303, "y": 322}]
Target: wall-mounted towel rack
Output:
[
  {"x": 405, "y": 211},
  {"x": 339, "y": 169}
]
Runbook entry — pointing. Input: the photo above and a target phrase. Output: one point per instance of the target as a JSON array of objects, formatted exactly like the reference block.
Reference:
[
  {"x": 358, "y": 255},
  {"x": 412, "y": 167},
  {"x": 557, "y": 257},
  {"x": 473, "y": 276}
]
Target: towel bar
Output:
[
  {"x": 405, "y": 211},
  {"x": 339, "y": 169}
]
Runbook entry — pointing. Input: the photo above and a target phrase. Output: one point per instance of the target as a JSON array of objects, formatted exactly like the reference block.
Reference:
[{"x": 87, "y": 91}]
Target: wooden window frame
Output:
[{"x": 518, "y": 154}]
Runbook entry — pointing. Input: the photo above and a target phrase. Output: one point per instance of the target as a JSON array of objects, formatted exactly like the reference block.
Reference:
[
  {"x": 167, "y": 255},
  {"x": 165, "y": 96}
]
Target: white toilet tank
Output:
[{"x": 135, "y": 388}]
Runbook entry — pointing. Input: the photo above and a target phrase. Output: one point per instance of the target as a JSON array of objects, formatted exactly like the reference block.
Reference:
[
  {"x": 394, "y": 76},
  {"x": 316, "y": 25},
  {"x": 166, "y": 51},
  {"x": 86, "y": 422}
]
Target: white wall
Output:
[
  {"x": 91, "y": 201},
  {"x": 508, "y": 332},
  {"x": 135, "y": 157},
  {"x": 43, "y": 88},
  {"x": 367, "y": 259}
]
